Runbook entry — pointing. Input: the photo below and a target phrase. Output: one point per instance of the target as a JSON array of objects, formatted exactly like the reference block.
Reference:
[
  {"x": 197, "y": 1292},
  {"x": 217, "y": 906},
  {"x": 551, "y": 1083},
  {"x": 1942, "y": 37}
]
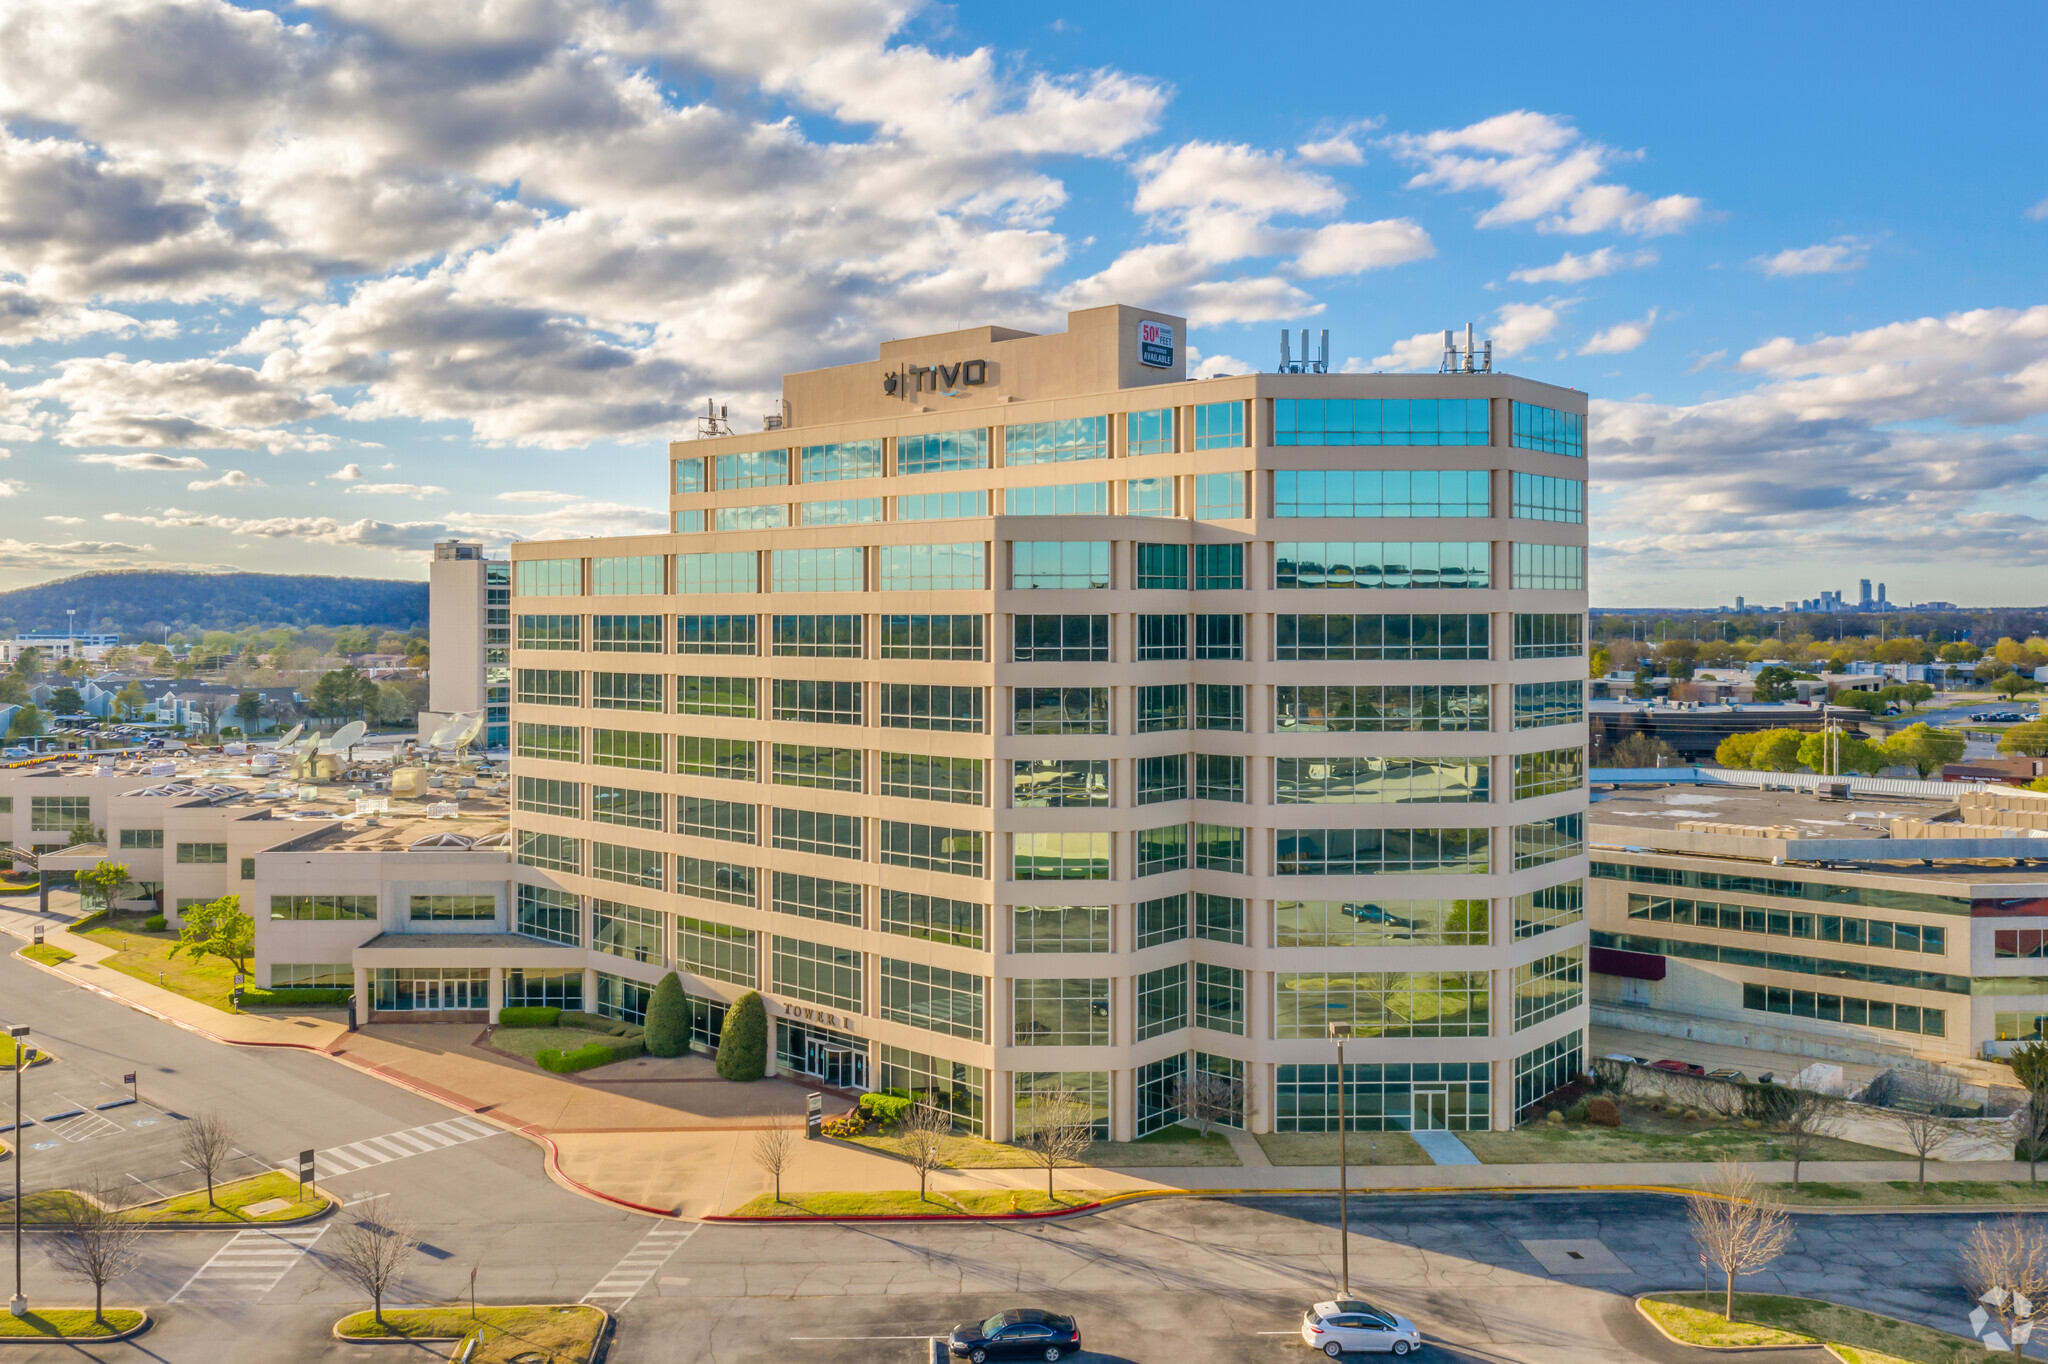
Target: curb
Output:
[
  {"x": 1658, "y": 1327},
  {"x": 141, "y": 1326},
  {"x": 604, "y": 1328},
  {"x": 1826, "y": 1345},
  {"x": 1110, "y": 1200}
]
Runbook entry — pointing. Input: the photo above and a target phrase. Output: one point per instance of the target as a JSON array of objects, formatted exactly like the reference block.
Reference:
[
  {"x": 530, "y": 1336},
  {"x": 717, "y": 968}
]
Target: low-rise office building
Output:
[{"x": 1866, "y": 930}]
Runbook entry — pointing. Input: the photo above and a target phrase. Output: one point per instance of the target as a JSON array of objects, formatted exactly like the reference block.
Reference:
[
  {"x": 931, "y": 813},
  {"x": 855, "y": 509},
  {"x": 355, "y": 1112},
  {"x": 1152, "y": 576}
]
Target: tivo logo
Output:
[{"x": 938, "y": 378}]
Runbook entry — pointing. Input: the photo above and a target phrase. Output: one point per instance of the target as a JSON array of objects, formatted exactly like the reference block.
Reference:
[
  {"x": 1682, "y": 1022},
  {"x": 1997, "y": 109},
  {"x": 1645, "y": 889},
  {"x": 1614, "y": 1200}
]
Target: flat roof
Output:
[{"x": 1665, "y": 807}]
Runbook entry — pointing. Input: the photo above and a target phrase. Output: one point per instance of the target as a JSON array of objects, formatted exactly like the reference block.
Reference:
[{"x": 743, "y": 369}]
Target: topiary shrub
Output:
[
  {"x": 1602, "y": 1111},
  {"x": 884, "y": 1108},
  {"x": 153, "y": 924},
  {"x": 583, "y": 1058},
  {"x": 528, "y": 1017},
  {"x": 743, "y": 1043},
  {"x": 573, "y": 1018},
  {"x": 668, "y": 1019}
]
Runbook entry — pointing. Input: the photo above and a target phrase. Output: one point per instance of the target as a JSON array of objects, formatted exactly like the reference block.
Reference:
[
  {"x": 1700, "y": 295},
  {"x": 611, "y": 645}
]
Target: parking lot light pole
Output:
[
  {"x": 1340, "y": 1031},
  {"x": 19, "y": 1032}
]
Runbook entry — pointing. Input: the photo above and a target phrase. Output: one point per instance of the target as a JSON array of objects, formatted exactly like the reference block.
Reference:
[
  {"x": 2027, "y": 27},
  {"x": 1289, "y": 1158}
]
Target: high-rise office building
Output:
[
  {"x": 1024, "y": 715},
  {"x": 469, "y": 636},
  {"x": 1863, "y": 588}
]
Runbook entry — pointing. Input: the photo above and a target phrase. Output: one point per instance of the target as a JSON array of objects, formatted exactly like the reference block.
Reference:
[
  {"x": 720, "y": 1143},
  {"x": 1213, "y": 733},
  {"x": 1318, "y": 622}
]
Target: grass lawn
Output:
[
  {"x": 147, "y": 956},
  {"x": 1173, "y": 1146},
  {"x": 52, "y": 1207},
  {"x": 531, "y": 1042},
  {"x": 1696, "y": 1319},
  {"x": 1906, "y": 1193},
  {"x": 49, "y": 954},
  {"x": 962, "y": 1203},
  {"x": 52, "y": 1322},
  {"x": 1361, "y": 1148},
  {"x": 10, "y": 1052},
  {"x": 555, "y": 1334},
  {"x": 1647, "y": 1135}
]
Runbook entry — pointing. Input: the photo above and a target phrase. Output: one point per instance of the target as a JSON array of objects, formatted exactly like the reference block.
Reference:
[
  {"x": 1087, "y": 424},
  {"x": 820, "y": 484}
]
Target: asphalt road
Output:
[{"x": 1168, "y": 1282}]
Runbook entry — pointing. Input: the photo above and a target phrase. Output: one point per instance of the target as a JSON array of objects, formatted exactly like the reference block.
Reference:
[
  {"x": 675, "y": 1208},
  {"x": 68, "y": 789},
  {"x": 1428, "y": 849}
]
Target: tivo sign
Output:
[
  {"x": 938, "y": 378},
  {"x": 1155, "y": 344}
]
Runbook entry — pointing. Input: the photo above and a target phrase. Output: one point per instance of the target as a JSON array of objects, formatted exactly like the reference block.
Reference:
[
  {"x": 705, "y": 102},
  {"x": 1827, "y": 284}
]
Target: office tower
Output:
[
  {"x": 469, "y": 632},
  {"x": 1023, "y": 714}
]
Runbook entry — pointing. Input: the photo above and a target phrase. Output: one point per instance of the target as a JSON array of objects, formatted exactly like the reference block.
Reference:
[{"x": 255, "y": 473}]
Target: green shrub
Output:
[
  {"x": 571, "y": 1018},
  {"x": 98, "y": 916},
  {"x": 668, "y": 1019},
  {"x": 743, "y": 1043},
  {"x": 583, "y": 1058},
  {"x": 1578, "y": 1112},
  {"x": 302, "y": 997},
  {"x": 884, "y": 1108},
  {"x": 153, "y": 924},
  {"x": 529, "y": 1017}
]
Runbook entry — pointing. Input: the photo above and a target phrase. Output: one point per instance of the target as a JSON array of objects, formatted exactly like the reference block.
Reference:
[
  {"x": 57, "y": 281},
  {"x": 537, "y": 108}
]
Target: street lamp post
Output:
[
  {"x": 1340, "y": 1031},
  {"x": 19, "y": 1032}
]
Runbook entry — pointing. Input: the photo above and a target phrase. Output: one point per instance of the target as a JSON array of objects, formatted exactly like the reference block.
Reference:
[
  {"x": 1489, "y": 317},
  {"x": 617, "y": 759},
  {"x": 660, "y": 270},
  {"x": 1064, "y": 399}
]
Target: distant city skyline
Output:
[{"x": 390, "y": 283}]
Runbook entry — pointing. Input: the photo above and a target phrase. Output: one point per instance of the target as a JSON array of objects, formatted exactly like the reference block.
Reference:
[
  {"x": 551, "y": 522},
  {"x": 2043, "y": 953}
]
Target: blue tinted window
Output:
[
  {"x": 907, "y": 568},
  {"x": 942, "y": 506},
  {"x": 715, "y": 572},
  {"x": 1218, "y": 496},
  {"x": 689, "y": 522},
  {"x": 1060, "y": 499},
  {"x": 1453, "y": 563},
  {"x": 1381, "y": 492},
  {"x": 1148, "y": 497},
  {"x": 1057, "y": 442},
  {"x": 1547, "y": 429},
  {"x": 852, "y": 511},
  {"x": 1149, "y": 433},
  {"x": 1381, "y": 421},
  {"x": 689, "y": 475},
  {"x": 750, "y": 518},
  {"x": 818, "y": 570},
  {"x": 1219, "y": 426},
  {"x": 1059, "y": 564},
  {"x": 1538, "y": 498},
  {"x": 846, "y": 459},
  {"x": 753, "y": 469},
  {"x": 942, "y": 450},
  {"x": 1552, "y": 566}
]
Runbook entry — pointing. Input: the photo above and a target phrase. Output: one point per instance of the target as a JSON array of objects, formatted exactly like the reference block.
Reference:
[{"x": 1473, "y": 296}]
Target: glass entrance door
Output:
[
  {"x": 1432, "y": 1108},
  {"x": 837, "y": 1064}
]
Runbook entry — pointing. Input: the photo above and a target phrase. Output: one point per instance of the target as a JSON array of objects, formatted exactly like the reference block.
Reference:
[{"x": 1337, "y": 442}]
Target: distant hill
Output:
[{"x": 143, "y": 604}]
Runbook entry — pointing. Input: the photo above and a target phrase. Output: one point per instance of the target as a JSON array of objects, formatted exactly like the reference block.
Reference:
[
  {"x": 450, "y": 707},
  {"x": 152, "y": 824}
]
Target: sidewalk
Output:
[{"x": 668, "y": 1136}]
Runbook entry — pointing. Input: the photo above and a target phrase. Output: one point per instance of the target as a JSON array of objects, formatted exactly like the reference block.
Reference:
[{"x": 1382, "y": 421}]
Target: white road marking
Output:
[
  {"x": 334, "y": 1161},
  {"x": 250, "y": 1264},
  {"x": 640, "y": 1264}
]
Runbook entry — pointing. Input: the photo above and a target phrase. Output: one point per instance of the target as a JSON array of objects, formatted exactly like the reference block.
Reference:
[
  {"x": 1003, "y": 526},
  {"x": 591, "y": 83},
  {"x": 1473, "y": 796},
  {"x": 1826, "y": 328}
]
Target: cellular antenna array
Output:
[
  {"x": 1319, "y": 365},
  {"x": 1470, "y": 360}
]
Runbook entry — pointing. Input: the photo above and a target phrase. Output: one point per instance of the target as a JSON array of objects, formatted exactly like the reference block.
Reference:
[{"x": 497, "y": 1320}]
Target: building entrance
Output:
[
  {"x": 1432, "y": 1108},
  {"x": 834, "y": 1058}
]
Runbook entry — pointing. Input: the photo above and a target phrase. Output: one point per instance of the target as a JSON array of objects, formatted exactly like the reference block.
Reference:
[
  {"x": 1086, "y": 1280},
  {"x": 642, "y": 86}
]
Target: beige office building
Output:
[{"x": 1018, "y": 713}]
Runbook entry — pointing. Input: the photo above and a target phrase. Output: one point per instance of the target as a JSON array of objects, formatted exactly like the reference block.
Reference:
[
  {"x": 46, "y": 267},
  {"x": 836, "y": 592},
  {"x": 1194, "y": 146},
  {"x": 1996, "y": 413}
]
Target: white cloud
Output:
[
  {"x": 1422, "y": 351},
  {"x": 66, "y": 520},
  {"x": 537, "y": 495},
  {"x": 397, "y": 489},
  {"x": 1518, "y": 326},
  {"x": 1620, "y": 338},
  {"x": 1215, "y": 366},
  {"x": 348, "y": 473},
  {"x": 195, "y": 404},
  {"x": 1331, "y": 151},
  {"x": 2039, "y": 211},
  {"x": 1349, "y": 248},
  {"x": 233, "y": 478},
  {"x": 147, "y": 463},
  {"x": 1542, "y": 171},
  {"x": 1837, "y": 257},
  {"x": 1571, "y": 269},
  {"x": 12, "y": 487}
]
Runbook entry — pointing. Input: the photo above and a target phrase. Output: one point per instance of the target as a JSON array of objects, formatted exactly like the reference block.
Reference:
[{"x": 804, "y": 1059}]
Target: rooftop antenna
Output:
[
  {"x": 713, "y": 422},
  {"x": 1286, "y": 361},
  {"x": 1323, "y": 354},
  {"x": 1468, "y": 360},
  {"x": 1290, "y": 365}
]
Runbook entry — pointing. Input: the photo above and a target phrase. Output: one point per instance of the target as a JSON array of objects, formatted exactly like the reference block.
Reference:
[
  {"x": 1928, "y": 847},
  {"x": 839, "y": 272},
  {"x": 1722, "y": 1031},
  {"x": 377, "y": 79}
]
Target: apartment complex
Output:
[
  {"x": 469, "y": 633},
  {"x": 1021, "y": 714},
  {"x": 1866, "y": 930}
]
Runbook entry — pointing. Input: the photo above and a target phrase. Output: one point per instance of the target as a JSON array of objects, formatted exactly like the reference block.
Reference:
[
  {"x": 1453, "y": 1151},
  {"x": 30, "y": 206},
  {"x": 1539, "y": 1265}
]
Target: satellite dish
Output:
[
  {"x": 470, "y": 731},
  {"x": 345, "y": 738},
  {"x": 445, "y": 734},
  {"x": 290, "y": 735}
]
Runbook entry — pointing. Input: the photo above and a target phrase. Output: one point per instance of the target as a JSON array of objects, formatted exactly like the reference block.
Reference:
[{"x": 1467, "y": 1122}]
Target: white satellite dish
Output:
[
  {"x": 445, "y": 734},
  {"x": 289, "y": 735},
  {"x": 345, "y": 738},
  {"x": 470, "y": 731}
]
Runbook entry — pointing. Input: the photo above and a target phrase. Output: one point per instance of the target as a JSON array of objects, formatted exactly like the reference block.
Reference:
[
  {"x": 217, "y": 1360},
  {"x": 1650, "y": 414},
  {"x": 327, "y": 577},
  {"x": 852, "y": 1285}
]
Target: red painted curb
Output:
[{"x": 913, "y": 1216}]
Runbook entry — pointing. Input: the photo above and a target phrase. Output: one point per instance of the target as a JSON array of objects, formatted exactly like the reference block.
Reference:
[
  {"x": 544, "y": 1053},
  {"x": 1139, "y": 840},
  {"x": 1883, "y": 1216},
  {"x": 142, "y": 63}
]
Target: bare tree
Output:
[
  {"x": 1737, "y": 1226},
  {"x": 924, "y": 1130},
  {"x": 1806, "y": 1119},
  {"x": 207, "y": 1145},
  {"x": 1928, "y": 1119},
  {"x": 373, "y": 1254},
  {"x": 774, "y": 1152},
  {"x": 1206, "y": 1099},
  {"x": 100, "y": 1241},
  {"x": 1062, "y": 1130},
  {"x": 2006, "y": 1265}
]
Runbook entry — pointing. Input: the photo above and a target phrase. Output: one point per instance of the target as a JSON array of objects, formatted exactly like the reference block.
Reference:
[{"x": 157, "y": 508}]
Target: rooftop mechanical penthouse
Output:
[{"x": 1021, "y": 713}]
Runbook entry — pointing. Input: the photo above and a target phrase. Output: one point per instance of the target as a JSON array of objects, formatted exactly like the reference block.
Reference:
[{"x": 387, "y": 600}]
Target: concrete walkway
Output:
[{"x": 668, "y": 1136}]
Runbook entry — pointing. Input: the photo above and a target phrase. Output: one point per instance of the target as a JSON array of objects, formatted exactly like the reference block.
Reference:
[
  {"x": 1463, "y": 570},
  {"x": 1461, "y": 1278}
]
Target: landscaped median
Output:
[
  {"x": 10, "y": 1053},
  {"x": 49, "y": 954},
  {"x": 545, "y": 1334},
  {"x": 1767, "y": 1319},
  {"x": 233, "y": 1204},
  {"x": 53, "y": 1325},
  {"x": 564, "y": 1041}
]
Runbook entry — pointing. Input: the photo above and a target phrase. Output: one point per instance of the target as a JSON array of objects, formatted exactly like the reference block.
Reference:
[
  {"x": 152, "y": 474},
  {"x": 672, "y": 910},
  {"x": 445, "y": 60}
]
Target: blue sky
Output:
[{"x": 304, "y": 289}]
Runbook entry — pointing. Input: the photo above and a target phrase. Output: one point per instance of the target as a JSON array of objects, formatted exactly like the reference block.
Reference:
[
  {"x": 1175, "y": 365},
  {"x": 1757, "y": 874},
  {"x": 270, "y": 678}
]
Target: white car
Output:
[{"x": 1336, "y": 1328}]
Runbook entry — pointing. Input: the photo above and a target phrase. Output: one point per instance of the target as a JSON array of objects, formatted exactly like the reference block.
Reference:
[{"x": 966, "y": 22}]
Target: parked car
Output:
[
  {"x": 1338, "y": 1328},
  {"x": 1020, "y": 1333},
  {"x": 1724, "y": 1073},
  {"x": 1624, "y": 1058},
  {"x": 1678, "y": 1067}
]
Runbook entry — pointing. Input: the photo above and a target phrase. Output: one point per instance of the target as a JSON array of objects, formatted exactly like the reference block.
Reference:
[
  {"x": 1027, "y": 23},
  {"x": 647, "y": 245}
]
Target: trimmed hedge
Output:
[
  {"x": 743, "y": 1042},
  {"x": 589, "y": 1055},
  {"x": 617, "y": 1027},
  {"x": 532, "y": 1017},
  {"x": 301, "y": 997},
  {"x": 154, "y": 924},
  {"x": 96, "y": 917},
  {"x": 885, "y": 1108},
  {"x": 668, "y": 1019}
]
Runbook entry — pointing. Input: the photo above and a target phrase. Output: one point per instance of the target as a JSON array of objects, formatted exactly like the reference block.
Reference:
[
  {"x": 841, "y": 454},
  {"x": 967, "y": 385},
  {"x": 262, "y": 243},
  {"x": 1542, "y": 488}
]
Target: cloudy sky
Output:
[{"x": 304, "y": 287}]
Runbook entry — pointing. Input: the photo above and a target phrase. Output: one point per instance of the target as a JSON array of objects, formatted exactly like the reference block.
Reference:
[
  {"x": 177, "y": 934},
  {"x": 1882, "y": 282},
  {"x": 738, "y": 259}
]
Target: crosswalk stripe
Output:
[
  {"x": 636, "y": 1269},
  {"x": 351, "y": 1157},
  {"x": 251, "y": 1263},
  {"x": 432, "y": 1136}
]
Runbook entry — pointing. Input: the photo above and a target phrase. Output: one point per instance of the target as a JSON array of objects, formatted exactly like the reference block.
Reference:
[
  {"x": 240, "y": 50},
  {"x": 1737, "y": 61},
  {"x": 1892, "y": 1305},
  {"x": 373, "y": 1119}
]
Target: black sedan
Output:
[{"x": 1020, "y": 1333}]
